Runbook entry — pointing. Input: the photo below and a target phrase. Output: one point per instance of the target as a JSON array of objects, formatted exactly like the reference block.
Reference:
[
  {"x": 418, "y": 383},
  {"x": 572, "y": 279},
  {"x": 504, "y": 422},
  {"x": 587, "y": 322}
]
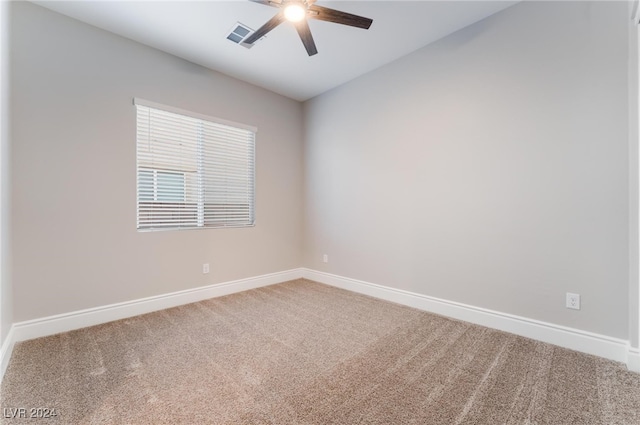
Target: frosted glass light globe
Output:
[{"x": 295, "y": 12}]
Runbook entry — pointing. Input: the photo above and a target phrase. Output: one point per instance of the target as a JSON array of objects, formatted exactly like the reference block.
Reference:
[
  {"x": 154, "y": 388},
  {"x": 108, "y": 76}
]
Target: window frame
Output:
[{"x": 200, "y": 189}]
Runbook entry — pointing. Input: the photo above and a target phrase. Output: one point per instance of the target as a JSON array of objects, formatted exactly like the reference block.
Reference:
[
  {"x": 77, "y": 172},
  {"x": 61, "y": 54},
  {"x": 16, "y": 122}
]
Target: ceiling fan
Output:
[{"x": 297, "y": 12}]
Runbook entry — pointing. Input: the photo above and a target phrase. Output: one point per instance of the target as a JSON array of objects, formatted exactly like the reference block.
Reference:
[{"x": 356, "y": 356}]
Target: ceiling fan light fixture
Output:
[
  {"x": 298, "y": 11},
  {"x": 295, "y": 12}
]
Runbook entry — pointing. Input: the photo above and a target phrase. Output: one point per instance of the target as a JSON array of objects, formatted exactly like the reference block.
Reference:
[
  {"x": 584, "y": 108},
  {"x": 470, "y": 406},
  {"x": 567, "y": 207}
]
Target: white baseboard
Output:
[
  {"x": 575, "y": 339},
  {"x": 633, "y": 359},
  {"x": 5, "y": 352},
  {"x": 52, "y": 325}
]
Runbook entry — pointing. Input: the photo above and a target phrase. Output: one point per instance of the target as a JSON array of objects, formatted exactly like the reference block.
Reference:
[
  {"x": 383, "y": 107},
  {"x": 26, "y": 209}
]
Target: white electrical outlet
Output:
[
  {"x": 573, "y": 301},
  {"x": 205, "y": 268},
  {"x": 325, "y": 258}
]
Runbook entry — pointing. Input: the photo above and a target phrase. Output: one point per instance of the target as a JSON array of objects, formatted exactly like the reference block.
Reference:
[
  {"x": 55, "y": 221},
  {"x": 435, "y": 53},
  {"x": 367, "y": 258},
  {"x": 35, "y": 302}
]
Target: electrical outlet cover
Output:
[{"x": 573, "y": 301}]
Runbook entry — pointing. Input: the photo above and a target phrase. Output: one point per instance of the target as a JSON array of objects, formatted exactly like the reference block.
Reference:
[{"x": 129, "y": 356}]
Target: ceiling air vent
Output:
[{"x": 239, "y": 32}]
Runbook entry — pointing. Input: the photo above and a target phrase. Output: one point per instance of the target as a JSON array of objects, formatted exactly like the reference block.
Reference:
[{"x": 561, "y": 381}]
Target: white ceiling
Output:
[{"x": 196, "y": 31}]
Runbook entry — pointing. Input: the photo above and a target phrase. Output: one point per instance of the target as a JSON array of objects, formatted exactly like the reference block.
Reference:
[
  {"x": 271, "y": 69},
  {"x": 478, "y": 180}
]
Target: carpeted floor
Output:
[{"x": 305, "y": 353}]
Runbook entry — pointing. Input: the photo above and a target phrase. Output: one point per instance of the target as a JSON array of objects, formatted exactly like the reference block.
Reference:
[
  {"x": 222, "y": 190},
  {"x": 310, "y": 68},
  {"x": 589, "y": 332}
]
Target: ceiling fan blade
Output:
[
  {"x": 274, "y": 3},
  {"x": 305, "y": 35},
  {"x": 260, "y": 32},
  {"x": 344, "y": 18}
]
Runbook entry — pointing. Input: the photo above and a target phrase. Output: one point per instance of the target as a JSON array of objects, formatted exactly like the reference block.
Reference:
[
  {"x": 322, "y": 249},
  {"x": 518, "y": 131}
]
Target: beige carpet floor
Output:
[{"x": 305, "y": 353}]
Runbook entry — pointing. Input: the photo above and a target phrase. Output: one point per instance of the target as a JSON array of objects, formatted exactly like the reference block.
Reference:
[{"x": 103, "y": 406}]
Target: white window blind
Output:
[{"x": 192, "y": 171}]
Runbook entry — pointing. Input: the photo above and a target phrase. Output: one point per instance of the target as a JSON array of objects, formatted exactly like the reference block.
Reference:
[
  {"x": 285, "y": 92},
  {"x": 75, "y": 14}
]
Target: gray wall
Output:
[
  {"x": 6, "y": 298},
  {"x": 489, "y": 168},
  {"x": 75, "y": 243}
]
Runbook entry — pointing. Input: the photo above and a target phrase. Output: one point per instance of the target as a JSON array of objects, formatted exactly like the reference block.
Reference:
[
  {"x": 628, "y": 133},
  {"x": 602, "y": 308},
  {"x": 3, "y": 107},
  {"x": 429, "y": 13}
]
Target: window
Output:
[{"x": 192, "y": 171}]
